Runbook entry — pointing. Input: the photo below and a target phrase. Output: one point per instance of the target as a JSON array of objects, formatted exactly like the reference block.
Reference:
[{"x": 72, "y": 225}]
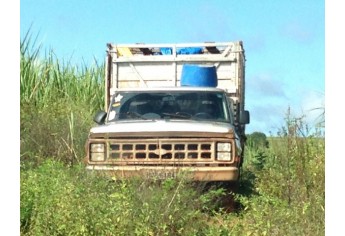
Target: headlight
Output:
[
  {"x": 97, "y": 147},
  {"x": 224, "y": 151},
  {"x": 223, "y": 147},
  {"x": 224, "y": 156},
  {"x": 97, "y": 152},
  {"x": 97, "y": 156}
]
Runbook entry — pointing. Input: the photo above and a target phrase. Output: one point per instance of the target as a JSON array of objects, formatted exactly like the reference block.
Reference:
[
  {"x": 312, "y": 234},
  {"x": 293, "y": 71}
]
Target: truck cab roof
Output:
[{"x": 171, "y": 88}]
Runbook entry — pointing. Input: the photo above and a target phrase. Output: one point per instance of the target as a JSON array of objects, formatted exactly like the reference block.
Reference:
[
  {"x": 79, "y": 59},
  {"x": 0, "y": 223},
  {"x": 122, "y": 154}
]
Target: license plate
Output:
[{"x": 161, "y": 174}]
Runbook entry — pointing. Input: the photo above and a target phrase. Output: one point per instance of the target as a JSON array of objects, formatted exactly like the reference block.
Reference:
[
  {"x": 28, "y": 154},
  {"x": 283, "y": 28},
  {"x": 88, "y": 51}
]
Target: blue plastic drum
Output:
[{"x": 199, "y": 75}]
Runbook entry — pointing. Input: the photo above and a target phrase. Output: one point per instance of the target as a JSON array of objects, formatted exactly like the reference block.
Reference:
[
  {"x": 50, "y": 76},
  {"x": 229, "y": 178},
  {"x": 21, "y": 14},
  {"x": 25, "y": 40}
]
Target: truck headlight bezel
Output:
[
  {"x": 97, "y": 152},
  {"x": 224, "y": 151}
]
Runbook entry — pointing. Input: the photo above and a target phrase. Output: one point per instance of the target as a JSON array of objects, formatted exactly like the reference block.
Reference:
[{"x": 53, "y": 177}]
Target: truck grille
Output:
[{"x": 162, "y": 150}]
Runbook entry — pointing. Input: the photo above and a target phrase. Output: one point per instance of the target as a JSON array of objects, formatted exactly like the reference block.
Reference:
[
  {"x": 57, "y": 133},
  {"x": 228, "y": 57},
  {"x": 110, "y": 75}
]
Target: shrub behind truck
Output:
[{"x": 170, "y": 109}]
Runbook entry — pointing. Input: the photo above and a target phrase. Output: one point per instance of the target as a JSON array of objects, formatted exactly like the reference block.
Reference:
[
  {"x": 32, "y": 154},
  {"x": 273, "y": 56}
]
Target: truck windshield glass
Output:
[{"x": 186, "y": 105}]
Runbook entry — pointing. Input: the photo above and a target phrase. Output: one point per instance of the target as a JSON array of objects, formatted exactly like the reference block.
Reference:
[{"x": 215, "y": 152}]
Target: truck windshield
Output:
[{"x": 187, "y": 105}]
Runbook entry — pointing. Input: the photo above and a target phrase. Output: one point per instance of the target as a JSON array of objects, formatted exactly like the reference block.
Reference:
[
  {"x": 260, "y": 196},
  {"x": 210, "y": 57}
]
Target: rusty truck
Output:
[{"x": 170, "y": 109}]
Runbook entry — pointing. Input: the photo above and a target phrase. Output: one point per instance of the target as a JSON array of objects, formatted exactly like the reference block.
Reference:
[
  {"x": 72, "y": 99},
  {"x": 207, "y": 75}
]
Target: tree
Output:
[{"x": 257, "y": 140}]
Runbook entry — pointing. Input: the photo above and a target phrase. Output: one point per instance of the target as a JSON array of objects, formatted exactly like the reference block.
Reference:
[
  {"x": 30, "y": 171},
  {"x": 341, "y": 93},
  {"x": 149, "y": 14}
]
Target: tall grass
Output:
[
  {"x": 58, "y": 101},
  {"x": 45, "y": 80},
  {"x": 68, "y": 201},
  {"x": 286, "y": 194}
]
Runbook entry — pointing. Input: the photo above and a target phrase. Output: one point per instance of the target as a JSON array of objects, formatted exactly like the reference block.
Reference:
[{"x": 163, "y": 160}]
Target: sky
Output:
[
  {"x": 292, "y": 61},
  {"x": 284, "y": 42}
]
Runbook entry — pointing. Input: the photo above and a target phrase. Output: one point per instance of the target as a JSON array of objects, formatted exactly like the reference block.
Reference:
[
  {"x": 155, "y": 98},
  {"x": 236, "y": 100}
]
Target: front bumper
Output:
[{"x": 214, "y": 173}]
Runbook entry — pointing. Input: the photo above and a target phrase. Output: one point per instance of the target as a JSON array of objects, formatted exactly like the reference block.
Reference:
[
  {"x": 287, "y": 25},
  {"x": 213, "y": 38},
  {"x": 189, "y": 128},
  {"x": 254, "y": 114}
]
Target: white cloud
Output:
[
  {"x": 265, "y": 86},
  {"x": 268, "y": 114},
  {"x": 313, "y": 106},
  {"x": 266, "y": 117}
]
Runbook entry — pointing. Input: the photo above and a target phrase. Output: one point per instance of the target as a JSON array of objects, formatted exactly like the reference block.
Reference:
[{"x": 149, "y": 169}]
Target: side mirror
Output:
[
  {"x": 244, "y": 117},
  {"x": 99, "y": 118}
]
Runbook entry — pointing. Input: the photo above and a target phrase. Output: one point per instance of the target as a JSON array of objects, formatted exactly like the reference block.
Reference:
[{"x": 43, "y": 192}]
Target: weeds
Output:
[
  {"x": 56, "y": 99},
  {"x": 57, "y": 201}
]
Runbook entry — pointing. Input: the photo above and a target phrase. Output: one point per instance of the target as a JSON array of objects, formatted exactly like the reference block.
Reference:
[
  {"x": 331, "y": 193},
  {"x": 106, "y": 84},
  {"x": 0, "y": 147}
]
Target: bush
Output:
[
  {"x": 256, "y": 150},
  {"x": 257, "y": 140},
  {"x": 60, "y": 200}
]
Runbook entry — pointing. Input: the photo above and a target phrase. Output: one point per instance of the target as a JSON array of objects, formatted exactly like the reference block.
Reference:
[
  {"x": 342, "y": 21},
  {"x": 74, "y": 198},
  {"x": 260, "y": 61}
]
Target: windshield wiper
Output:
[
  {"x": 183, "y": 115},
  {"x": 135, "y": 115}
]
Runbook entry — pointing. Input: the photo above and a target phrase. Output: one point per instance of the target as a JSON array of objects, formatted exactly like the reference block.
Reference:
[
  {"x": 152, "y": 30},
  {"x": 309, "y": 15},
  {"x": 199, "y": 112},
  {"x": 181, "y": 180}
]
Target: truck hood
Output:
[{"x": 170, "y": 127}]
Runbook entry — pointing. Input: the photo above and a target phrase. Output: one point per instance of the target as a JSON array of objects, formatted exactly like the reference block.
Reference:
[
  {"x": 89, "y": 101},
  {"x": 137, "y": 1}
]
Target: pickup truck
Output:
[{"x": 171, "y": 109}]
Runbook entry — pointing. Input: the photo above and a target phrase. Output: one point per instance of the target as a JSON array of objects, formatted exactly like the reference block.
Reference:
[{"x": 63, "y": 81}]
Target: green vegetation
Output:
[
  {"x": 282, "y": 190},
  {"x": 56, "y": 100}
]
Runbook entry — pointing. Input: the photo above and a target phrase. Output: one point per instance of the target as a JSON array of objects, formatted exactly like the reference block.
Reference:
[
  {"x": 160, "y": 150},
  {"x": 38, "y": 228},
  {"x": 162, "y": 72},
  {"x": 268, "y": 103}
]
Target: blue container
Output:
[
  {"x": 187, "y": 51},
  {"x": 199, "y": 75},
  {"x": 166, "y": 51}
]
